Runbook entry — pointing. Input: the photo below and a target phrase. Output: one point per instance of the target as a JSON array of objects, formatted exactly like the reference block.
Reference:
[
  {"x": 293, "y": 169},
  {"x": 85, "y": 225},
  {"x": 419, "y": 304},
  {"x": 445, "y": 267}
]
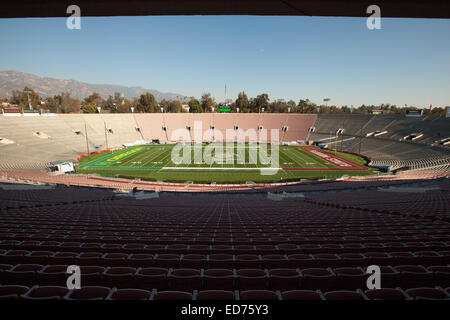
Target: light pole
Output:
[{"x": 28, "y": 95}]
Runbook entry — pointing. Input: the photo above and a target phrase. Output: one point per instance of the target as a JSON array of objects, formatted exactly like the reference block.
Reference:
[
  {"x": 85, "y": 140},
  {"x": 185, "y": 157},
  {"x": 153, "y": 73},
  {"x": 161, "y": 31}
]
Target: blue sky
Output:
[{"x": 406, "y": 62}]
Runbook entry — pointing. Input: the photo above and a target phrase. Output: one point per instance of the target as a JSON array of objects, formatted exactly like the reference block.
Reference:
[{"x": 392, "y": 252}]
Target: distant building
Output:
[{"x": 185, "y": 106}]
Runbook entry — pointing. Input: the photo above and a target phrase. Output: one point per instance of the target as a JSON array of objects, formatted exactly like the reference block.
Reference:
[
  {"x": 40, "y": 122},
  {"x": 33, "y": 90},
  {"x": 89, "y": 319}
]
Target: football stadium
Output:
[{"x": 300, "y": 202}]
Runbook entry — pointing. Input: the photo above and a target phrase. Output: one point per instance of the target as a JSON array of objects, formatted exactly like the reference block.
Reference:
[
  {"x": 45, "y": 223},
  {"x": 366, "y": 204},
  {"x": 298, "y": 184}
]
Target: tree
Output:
[
  {"x": 21, "y": 98},
  {"x": 147, "y": 103},
  {"x": 94, "y": 99},
  {"x": 113, "y": 103},
  {"x": 207, "y": 102},
  {"x": 67, "y": 104},
  {"x": 174, "y": 106},
  {"x": 89, "y": 108},
  {"x": 242, "y": 102},
  {"x": 262, "y": 101},
  {"x": 195, "y": 106}
]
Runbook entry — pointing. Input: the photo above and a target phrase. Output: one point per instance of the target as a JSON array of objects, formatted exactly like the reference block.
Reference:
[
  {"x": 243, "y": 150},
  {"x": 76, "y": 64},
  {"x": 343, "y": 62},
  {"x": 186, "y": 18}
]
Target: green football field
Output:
[{"x": 222, "y": 163}]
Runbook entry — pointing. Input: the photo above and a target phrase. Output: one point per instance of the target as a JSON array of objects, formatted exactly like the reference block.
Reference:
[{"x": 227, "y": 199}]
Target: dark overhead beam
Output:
[{"x": 339, "y": 8}]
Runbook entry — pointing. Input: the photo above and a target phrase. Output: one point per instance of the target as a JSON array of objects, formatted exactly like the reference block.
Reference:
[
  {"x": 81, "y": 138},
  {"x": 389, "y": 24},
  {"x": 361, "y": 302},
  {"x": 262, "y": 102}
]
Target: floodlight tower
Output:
[{"x": 28, "y": 95}]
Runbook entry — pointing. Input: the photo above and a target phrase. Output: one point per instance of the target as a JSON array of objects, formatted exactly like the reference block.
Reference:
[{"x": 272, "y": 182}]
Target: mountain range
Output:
[{"x": 48, "y": 87}]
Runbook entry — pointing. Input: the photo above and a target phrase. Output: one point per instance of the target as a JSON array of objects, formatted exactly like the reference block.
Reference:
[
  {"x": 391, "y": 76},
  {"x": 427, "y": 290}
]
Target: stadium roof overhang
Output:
[{"x": 338, "y": 8}]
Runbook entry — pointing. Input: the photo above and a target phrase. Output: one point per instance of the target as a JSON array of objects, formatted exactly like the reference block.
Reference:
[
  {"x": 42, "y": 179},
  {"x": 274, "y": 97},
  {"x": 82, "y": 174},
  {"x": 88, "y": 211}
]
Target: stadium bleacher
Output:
[{"x": 314, "y": 242}]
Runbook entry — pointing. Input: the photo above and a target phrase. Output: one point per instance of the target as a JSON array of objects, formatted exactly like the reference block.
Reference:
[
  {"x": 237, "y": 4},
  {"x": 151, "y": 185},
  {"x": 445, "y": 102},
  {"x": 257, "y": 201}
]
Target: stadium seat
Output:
[
  {"x": 92, "y": 275},
  {"x": 184, "y": 279},
  {"x": 411, "y": 276},
  {"x": 273, "y": 261},
  {"x": 386, "y": 294},
  {"x": 119, "y": 277},
  {"x": 129, "y": 294},
  {"x": 149, "y": 278},
  {"x": 251, "y": 278},
  {"x": 218, "y": 279},
  {"x": 198, "y": 261},
  {"x": 52, "y": 275},
  {"x": 441, "y": 275},
  {"x": 12, "y": 292},
  {"x": 89, "y": 293},
  {"x": 171, "y": 295},
  {"x": 284, "y": 279},
  {"x": 167, "y": 260},
  {"x": 25, "y": 274},
  {"x": 140, "y": 260},
  {"x": 301, "y": 261},
  {"x": 221, "y": 260},
  {"x": 258, "y": 295},
  {"x": 302, "y": 295},
  {"x": 427, "y": 294},
  {"x": 46, "y": 293},
  {"x": 345, "y": 295},
  {"x": 350, "y": 278},
  {"x": 247, "y": 261},
  {"x": 215, "y": 295},
  {"x": 318, "y": 279}
]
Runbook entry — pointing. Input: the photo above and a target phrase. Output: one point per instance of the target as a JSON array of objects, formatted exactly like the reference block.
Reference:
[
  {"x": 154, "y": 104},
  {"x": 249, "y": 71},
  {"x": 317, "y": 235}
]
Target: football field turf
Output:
[{"x": 221, "y": 163}]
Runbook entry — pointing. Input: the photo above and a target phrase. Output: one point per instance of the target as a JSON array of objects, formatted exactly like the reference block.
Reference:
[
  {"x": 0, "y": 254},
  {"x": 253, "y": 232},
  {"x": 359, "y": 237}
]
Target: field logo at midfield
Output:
[
  {"x": 235, "y": 140},
  {"x": 124, "y": 154}
]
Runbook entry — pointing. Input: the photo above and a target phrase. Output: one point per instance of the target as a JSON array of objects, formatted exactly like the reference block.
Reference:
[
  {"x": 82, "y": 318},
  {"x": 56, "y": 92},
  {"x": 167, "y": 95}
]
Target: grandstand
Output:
[{"x": 297, "y": 240}]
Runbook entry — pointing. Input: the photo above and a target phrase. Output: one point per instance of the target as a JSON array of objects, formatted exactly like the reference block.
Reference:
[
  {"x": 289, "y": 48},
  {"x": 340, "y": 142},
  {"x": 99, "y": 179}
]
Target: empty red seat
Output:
[
  {"x": 55, "y": 275},
  {"x": 221, "y": 260},
  {"x": 25, "y": 274},
  {"x": 198, "y": 261},
  {"x": 258, "y": 295},
  {"x": 344, "y": 295},
  {"x": 301, "y": 261},
  {"x": 302, "y": 295},
  {"x": 413, "y": 276},
  {"x": 273, "y": 261},
  {"x": 247, "y": 261},
  {"x": 89, "y": 293},
  {"x": 215, "y": 295},
  {"x": 218, "y": 279},
  {"x": 378, "y": 258},
  {"x": 129, "y": 294},
  {"x": 326, "y": 260},
  {"x": 140, "y": 260},
  {"x": 46, "y": 293},
  {"x": 185, "y": 279},
  {"x": 119, "y": 277},
  {"x": 427, "y": 293},
  {"x": 92, "y": 275},
  {"x": 65, "y": 258},
  {"x": 149, "y": 278},
  {"x": 251, "y": 279},
  {"x": 172, "y": 295},
  {"x": 284, "y": 279},
  {"x": 386, "y": 294},
  {"x": 353, "y": 259},
  {"x": 167, "y": 260},
  {"x": 350, "y": 278},
  {"x": 402, "y": 258},
  {"x": 114, "y": 259},
  {"x": 89, "y": 258},
  {"x": 318, "y": 279},
  {"x": 12, "y": 292},
  {"x": 441, "y": 275}
]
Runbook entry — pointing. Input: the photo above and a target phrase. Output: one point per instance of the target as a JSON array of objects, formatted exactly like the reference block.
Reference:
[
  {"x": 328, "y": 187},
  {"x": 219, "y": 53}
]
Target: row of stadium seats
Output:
[
  {"x": 101, "y": 293},
  {"x": 185, "y": 279}
]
